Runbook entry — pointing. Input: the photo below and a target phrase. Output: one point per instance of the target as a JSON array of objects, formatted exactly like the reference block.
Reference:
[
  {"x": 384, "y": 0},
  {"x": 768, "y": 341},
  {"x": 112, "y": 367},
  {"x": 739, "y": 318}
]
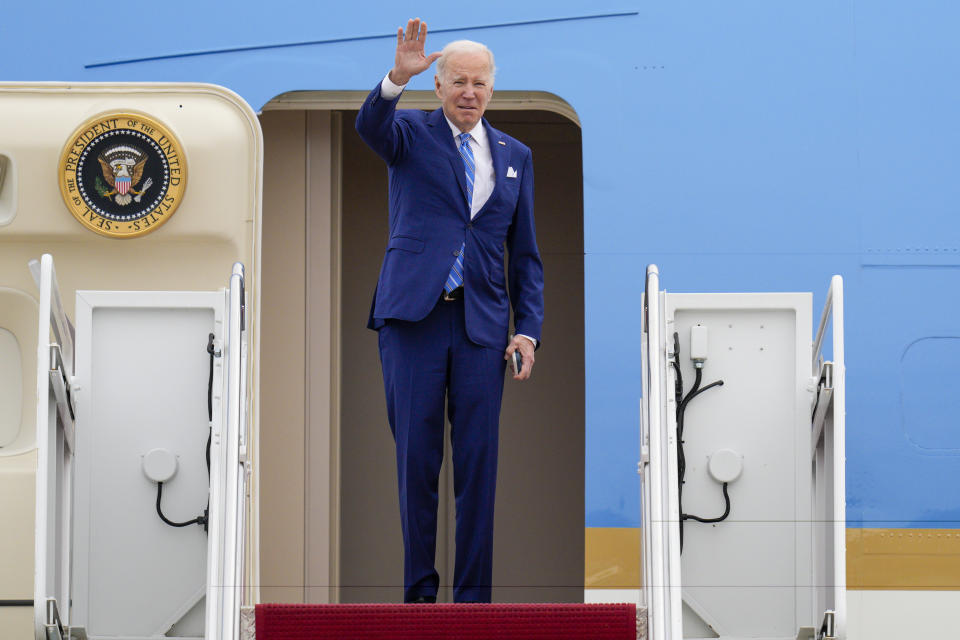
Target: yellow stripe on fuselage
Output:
[
  {"x": 612, "y": 557},
  {"x": 879, "y": 559},
  {"x": 903, "y": 559}
]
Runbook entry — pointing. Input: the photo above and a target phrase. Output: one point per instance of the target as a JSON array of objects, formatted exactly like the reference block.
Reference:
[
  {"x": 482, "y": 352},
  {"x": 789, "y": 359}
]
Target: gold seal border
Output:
[{"x": 63, "y": 174}]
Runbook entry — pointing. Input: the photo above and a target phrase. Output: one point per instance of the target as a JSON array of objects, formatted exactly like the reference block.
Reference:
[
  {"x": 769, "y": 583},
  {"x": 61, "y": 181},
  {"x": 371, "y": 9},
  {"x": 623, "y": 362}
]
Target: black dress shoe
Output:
[{"x": 423, "y": 600}]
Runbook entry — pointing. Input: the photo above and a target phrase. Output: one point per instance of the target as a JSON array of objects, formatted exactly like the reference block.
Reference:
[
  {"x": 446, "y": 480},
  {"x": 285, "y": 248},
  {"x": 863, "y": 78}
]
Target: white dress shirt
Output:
[{"x": 484, "y": 178}]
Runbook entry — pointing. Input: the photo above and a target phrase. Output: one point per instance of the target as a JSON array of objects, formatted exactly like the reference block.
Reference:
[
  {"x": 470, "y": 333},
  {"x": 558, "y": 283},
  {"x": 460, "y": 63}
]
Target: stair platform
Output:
[{"x": 450, "y": 621}]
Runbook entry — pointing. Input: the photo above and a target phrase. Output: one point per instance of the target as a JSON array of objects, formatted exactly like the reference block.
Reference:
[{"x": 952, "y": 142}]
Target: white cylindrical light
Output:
[
  {"x": 725, "y": 465},
  {"x": 159, "y": 465}
]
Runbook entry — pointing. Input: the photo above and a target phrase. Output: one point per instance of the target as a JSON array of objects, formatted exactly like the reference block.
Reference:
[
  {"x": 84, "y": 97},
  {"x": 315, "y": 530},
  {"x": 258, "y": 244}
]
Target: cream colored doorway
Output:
[{"x": 330, "y": 524}]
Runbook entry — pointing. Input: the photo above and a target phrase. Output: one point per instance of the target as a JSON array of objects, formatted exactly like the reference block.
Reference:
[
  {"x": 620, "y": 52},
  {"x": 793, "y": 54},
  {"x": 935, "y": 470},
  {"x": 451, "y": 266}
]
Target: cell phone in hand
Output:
[{"x": 516, "y": 362}]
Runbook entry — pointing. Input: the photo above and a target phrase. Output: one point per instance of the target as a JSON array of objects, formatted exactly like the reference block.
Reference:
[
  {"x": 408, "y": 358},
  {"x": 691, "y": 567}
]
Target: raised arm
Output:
[{"x": 376, "y": 123}]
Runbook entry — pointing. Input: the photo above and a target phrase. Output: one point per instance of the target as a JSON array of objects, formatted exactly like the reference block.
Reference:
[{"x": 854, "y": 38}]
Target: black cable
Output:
[
  {"x": 212, "y": 353},
  {"x": 203, "y": 520},
  {"x": 210, "y": 379},
  {"x": 681, "y": 457},
  {"x": 197, "y": 520},
  {"x": 726, "y": 511},
  {"x": 718, "y": 383},
  {"x": 682, "y": 402},
  {"x": 678, "y": 384},
  {"x": 682, "y": 407},
  {"x": 678, "y": 399}
]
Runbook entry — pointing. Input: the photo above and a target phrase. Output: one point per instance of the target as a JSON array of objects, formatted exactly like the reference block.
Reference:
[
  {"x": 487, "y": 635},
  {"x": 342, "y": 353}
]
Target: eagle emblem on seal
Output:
[
  {"x": 122, "y": 174},
  {"x": 122, "y": 168}
]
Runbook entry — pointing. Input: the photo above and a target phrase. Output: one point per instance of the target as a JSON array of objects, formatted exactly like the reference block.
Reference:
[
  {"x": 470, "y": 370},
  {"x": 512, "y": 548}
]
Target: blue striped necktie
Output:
[{"x": 455, "y": 278}]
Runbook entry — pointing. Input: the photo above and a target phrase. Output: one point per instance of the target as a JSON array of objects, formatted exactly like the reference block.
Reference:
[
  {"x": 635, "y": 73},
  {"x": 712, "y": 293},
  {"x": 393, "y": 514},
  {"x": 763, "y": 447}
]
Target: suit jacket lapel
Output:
[
  {"x": 441, "y": 131},
  {"x": 500, "y": 152}
]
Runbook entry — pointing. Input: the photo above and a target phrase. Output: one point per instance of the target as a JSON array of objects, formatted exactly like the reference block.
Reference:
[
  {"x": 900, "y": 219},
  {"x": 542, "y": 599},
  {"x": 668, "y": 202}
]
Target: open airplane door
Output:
[
  {"x": 146, "y": 194},
  {"x": 828, "y": 471},
  {"x": 661, "y": 589},
  {"x": 228, "y": 478},
  {"x": 55, "y": 450}
]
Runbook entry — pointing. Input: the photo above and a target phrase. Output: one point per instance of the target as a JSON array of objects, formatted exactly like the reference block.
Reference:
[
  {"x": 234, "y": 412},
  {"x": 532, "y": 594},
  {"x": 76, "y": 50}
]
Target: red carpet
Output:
[{"x": 447, "y": 621}]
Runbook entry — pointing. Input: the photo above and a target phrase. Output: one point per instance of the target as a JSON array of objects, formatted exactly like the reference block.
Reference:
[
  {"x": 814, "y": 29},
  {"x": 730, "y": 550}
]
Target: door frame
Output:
[{"x": 321, "y": 573}]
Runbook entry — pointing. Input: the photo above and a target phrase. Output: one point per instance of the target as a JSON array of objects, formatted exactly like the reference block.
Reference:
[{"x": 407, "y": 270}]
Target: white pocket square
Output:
[{"x": 511, "y": 172}]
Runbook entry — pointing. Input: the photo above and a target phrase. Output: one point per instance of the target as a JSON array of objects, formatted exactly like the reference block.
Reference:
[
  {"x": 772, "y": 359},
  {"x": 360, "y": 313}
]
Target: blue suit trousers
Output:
[{"x": 426, "y": 364}]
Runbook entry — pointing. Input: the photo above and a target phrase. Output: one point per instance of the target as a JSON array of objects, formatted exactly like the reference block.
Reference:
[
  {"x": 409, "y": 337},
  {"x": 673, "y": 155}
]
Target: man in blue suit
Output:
[{"x": 459, "y": 192}]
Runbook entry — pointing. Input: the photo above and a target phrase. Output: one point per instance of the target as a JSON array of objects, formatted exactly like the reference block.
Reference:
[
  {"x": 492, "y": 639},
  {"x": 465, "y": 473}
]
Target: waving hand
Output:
[{"x": 410, "y": 59}]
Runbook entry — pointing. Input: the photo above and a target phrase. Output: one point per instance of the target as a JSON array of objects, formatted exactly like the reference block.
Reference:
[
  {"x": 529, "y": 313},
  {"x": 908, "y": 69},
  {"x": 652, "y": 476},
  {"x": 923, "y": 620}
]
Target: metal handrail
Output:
[
  {"x": 54, "y": 625},
  {"x": 827, "y": 629},
  {"x": 836, "y": 288},
  {"x": 833, "y": 314},
  {"x": 225, "y": 551},
  {"x": 658, "y": 625}
]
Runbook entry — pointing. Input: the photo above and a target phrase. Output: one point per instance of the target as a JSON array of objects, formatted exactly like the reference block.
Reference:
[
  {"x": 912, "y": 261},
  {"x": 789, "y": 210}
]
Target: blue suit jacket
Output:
[{"x": 430, "y": 218}]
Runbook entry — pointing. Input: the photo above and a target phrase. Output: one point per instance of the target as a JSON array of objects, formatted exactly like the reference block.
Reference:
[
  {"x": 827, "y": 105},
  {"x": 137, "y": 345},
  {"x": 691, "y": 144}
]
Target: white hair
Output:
[{"x": 465, "y": 46}]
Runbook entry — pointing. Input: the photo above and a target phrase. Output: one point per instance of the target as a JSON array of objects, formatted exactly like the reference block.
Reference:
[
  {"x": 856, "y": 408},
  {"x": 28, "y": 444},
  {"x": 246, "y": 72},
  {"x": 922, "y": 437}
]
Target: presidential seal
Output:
[{"x": 122, "y": 174}]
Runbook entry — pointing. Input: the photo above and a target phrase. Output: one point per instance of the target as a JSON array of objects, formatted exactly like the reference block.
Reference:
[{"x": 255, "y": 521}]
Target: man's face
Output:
[{"x": 465, "y": 88}]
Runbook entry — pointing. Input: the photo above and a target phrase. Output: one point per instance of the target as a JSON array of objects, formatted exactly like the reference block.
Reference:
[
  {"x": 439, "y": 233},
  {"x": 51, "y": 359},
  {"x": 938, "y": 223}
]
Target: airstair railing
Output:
[
  {"x": 228, "y": 479},
  {"x": 661, "y": 568},
  {"x": 828, "y": 448},
  {"x": 55, "y": 450}
]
